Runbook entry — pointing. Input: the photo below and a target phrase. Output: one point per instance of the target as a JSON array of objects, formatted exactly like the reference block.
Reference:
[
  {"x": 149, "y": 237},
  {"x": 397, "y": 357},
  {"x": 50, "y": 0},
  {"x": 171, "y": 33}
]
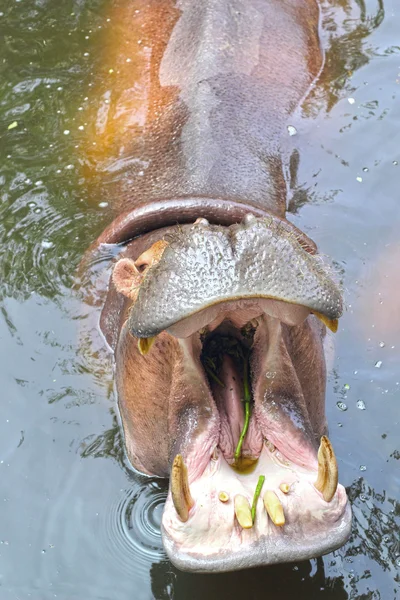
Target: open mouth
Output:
[
  {"x": 253, "y": 488},
  {"x": 254, "y": 478}
]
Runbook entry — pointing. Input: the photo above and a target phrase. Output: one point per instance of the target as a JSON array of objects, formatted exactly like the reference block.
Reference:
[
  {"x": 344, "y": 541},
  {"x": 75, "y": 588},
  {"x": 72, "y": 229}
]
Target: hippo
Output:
[{"x": 219, "y": 309}]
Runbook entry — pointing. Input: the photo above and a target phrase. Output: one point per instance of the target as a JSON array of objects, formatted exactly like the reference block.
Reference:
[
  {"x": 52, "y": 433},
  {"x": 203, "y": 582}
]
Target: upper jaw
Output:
[{"x": 203, "y": 266}]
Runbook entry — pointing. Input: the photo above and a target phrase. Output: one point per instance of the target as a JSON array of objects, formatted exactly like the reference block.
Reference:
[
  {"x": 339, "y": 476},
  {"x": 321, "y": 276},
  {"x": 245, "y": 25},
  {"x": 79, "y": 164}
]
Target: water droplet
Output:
[
  {"x": 346, "y": 386},
  {"x": 341, "y": 406},
  {"x": 378, "y": 364},
  {"x": 39, "y": 182},
  {"x": 86, "y": 54},
  {"x": 382, "y": 344},
  {"x": 361, "y": 405},
  {"x": 397, "y": 561},
  {"x": 43, "y": 551},
  {"x": 363, "y": 468},
  {"x": 363, "y": 497},
  {"x": 350, "y": 100},
  {"x": 340, "y": 424},
  {"x": 365, "y": 169},
  {"x": 103, "y": 204},
  {"x": 395, "y": 162},
  {"x": 292, "y": 130},
  {"x": 66, "y": 132},
  {"x": 359, "y": 179},
  {"x": 81, "y": 128},
  {"x": 46, "y": 244}
]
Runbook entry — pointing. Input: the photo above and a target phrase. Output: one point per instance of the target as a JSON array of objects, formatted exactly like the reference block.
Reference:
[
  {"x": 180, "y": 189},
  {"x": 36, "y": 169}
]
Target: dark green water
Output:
[{"x": 75, "y": 521}]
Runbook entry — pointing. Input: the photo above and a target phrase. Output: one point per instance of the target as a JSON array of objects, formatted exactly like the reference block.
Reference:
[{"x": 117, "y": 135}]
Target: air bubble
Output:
[
  {"x": 341, "y": 406},
  {"x": 363, "y": 468},
  {"x": 361, "y": 405}
]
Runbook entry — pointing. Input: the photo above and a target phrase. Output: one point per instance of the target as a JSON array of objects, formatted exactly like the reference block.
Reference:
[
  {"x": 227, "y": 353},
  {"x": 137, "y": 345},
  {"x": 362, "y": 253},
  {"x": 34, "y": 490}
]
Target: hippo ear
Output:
[{"x": 127, "y": 278}]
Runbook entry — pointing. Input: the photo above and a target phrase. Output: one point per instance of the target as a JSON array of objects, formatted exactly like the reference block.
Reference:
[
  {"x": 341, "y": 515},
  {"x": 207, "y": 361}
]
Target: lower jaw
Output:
[
  {"x": 213, "y": 541},
  {"x": 266, "y": 550}
]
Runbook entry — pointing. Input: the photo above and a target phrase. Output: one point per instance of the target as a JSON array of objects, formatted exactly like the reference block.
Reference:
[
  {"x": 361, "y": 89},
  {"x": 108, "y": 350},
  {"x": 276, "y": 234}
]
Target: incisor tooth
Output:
[
  {"x": 180, "y": 491},
  {"x": 274, "y": 508},
  {"x": 327, "y": 480},
  {"x": 243, "y": 512}
]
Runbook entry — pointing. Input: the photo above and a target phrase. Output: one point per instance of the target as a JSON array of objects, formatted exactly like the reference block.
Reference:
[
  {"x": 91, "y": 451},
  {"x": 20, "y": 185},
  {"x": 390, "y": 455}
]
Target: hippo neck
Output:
[{"x": 224, "y": 82}]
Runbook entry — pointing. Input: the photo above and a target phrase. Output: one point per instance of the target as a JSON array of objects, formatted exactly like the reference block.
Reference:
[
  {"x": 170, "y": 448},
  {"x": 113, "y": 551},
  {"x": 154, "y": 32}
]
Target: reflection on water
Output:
[{"x": 76, "y": 520}]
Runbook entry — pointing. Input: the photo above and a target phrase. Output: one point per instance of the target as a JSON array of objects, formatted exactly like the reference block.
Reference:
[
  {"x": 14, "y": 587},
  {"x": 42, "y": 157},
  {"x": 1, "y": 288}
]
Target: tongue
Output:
[{"x": 231, "y": 411}]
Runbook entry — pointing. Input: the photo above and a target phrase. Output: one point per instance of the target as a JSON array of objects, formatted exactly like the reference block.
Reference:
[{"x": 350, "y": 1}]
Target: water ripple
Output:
[{"x": 132, "y": 528}]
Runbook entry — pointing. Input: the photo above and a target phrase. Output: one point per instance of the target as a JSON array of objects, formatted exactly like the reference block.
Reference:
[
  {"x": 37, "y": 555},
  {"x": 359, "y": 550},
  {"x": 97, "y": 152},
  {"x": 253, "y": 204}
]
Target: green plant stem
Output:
[
  {"x": 214, "y": 376},
  {"x": 238, "y": 450},
  {"x": 257, "y": 493},
  {"x": 247, "y": 398}
]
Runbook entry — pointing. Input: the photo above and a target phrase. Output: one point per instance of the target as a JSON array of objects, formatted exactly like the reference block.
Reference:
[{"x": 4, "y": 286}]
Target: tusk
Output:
[
  {"x": 243, "y": 512},
  {"x": 331, "y": 324},
  {"x": 274, "y": 508},
  {"x": 327, "y": 480},
  {"x": 284, "y": 487},
  {"x": 145, "y": 344},
  {"x": 180, "y": 491}
]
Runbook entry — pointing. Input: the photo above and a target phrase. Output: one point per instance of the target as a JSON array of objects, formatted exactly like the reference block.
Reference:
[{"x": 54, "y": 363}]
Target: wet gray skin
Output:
[
  {"x": 206, "y": 266},
  {"x": 77, "y": 521}
]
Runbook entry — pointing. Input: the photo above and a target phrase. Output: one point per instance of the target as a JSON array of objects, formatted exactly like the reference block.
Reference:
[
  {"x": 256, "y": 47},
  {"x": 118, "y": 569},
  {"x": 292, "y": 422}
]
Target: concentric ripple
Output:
[{"x": 133, "y": 527}]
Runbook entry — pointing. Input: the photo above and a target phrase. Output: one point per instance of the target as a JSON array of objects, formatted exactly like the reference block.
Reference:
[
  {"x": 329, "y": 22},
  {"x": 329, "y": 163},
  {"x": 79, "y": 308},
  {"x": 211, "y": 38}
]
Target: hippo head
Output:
[{"x": 221, "y": 375}]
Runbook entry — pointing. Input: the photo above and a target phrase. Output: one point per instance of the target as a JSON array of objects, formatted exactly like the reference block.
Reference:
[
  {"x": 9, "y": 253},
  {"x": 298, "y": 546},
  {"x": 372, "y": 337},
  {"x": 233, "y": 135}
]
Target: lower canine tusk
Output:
[
  {"x": 180, "y": 490},
  {"x": 243, "y": 512},
  {"x": 327, "y": 480},
  {"x": 274, "y": 508}
]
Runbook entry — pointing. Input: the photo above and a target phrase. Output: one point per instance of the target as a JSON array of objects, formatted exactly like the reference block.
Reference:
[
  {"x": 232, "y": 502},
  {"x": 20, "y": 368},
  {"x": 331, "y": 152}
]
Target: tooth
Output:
[
  {"x": 284, "y": 487},
  {"x": 201, "y": 221},
  {"x": 223, "y": 496},
  {"x": 331, "y": 324},
  {"x": 243, "y": 512},
  {"x": 270, "y": 446},
  {"x": 327, "y": 480},
  {"x": 145, "y": 344},
  {"x": 249, "y": 219},
  {"x": 274, "y": 508},
  {"x": 180, "y": 491}
]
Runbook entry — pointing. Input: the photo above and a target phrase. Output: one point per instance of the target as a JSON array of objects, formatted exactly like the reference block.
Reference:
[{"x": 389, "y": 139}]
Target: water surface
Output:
[{"x": 76, "y": 521}]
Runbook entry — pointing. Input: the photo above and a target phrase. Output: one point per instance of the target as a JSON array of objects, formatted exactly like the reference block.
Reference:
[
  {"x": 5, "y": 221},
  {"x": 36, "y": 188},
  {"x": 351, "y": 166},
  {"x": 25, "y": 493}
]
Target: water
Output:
[{"x": 76, "y": 522}]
